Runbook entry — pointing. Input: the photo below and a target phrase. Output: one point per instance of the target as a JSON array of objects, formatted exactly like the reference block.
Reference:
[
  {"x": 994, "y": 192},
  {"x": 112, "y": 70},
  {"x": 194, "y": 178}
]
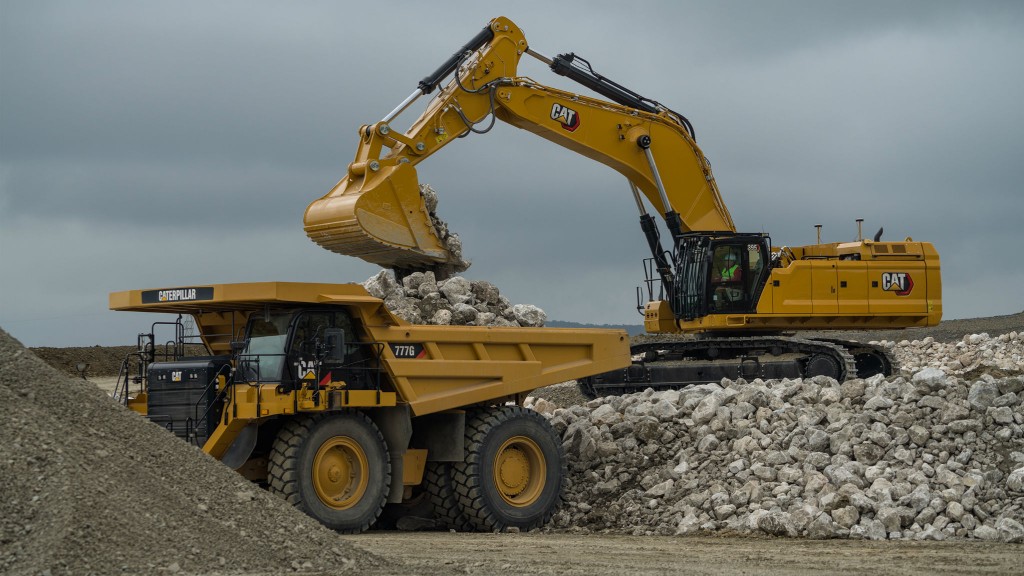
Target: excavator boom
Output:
[{"x": 376, "y": 211}]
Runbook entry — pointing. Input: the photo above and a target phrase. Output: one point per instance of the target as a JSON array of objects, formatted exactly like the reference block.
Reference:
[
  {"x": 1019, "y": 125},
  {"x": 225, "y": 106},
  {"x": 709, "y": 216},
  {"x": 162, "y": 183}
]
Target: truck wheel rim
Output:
[
  {"x": 520, "y": 471},
  {"x": 340, "y": 473}
]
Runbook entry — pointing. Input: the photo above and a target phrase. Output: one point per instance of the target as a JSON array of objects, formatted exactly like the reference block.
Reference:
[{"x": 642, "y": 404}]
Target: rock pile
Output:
[
  {"x": 927, "y": 455},
  {"x": 974, "y": 354},
  {"x": 422, "y": 299}
]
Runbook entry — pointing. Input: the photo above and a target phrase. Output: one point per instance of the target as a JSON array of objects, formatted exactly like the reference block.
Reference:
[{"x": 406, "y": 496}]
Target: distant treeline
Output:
[{"x": 631, "y": 329}]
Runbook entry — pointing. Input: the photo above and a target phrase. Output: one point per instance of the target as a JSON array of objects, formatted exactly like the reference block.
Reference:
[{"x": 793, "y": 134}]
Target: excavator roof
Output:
[{"x": 233, "y": 297}]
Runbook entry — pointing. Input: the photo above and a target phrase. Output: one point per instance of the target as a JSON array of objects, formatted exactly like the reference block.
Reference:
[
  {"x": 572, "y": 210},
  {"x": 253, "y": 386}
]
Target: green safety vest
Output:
[{"x": 727, "y": 273}]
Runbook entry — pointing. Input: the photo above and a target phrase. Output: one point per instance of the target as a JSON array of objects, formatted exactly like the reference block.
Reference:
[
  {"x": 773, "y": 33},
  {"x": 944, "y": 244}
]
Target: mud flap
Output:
[{"x": 238, "y": 453}]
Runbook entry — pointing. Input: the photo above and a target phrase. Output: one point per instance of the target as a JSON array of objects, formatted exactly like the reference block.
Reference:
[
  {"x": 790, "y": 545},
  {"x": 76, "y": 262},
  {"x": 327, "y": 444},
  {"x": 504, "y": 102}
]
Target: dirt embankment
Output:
[{"x": 87, "y": 487}]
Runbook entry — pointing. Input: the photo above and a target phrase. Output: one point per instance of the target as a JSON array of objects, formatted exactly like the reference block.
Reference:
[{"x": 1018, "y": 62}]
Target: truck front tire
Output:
[
  {"x": 335, "y": 468},
  {"x": 514, "y": 470}
]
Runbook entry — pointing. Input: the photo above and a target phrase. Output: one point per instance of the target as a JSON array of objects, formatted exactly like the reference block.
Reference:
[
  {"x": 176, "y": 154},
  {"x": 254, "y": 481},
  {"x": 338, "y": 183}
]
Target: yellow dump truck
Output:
[{"x": 318, "y": 392}]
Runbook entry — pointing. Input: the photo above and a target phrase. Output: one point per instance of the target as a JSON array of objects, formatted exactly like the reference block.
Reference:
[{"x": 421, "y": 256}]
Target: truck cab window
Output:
[{"x": 263, "y": 357}]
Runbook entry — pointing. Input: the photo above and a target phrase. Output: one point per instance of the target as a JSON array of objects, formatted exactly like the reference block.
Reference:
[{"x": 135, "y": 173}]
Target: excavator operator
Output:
[{"x": 729, "y": 279}]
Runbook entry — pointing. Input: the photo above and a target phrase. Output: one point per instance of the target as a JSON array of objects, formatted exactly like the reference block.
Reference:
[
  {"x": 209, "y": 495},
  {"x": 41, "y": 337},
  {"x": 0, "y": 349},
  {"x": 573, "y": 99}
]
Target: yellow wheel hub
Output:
[
  {"x": 520, "y": 471},
  {"x": 340, "y": 472}
]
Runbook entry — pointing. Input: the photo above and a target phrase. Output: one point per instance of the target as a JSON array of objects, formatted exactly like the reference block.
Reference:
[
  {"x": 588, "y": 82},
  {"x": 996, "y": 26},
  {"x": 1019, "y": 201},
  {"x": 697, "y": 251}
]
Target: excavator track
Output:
[{"x": 682, "y": 363}]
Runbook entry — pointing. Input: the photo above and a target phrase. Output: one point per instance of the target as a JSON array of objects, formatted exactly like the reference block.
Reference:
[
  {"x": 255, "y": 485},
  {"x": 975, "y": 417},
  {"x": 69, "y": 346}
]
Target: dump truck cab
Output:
[
  {"x": 319, "y": 393},
  {"x": 290, "y": 346}
]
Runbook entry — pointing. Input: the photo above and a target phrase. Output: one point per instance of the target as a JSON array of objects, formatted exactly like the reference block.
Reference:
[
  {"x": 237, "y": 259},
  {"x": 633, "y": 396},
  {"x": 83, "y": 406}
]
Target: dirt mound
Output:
[
  {"x": 101, "y": 360},
  {"x": 91, "y": 488}
]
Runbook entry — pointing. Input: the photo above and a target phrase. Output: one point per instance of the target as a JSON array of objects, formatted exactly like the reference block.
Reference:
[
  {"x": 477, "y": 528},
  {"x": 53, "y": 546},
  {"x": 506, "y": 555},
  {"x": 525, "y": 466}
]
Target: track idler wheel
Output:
[{"x": 822, "y": 365}]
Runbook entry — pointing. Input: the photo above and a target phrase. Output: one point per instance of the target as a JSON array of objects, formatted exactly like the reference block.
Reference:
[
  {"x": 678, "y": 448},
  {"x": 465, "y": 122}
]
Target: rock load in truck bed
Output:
[{"x": 89, "y": 487}]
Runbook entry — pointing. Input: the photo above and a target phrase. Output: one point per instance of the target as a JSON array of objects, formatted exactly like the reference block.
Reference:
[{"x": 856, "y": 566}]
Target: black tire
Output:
[
  {"x": 354, "y": 476},
  {"x": 521, "y": 448},
  {"x": 441, "y": 489}
]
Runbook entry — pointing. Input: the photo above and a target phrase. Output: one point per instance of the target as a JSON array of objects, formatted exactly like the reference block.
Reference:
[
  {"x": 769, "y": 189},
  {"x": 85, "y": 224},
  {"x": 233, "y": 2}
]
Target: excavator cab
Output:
[{"x": 719, "y": 273}]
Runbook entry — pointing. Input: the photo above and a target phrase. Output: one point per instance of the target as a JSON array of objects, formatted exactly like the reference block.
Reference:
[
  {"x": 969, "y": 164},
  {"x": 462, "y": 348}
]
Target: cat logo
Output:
[
  {"x": 899, "y": 282},
  {"x": 176, "y": 376},
  {"x": 307, "y": 370},
  {"x": 568, "y": 117}
]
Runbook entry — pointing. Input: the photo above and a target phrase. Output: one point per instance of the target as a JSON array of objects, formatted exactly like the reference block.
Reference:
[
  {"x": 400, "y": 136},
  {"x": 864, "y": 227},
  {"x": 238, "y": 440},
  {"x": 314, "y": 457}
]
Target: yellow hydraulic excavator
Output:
[{"x": 741, "y": 295}]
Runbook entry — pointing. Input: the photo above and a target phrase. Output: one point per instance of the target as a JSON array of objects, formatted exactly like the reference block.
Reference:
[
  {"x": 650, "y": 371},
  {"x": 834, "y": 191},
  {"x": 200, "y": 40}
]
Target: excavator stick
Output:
[
  {"x": 379, "y": 216},
  {"x": 376, "y": 212}
]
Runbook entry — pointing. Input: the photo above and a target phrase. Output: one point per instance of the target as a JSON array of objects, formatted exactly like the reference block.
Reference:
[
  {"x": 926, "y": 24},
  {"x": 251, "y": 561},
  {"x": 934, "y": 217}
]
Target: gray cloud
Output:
[{"x": 154, "y": 143}]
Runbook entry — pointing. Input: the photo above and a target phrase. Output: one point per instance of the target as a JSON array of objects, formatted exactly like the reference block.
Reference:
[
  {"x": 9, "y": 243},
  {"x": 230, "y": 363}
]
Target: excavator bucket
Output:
[{"x": 379, "y": 216}]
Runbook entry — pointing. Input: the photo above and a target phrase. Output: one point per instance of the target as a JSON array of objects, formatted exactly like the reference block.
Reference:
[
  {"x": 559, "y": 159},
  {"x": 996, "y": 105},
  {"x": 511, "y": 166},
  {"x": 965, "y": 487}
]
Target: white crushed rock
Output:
[
  {"x": 935, "y": 453},
  {"x": 422, "y": 299}
]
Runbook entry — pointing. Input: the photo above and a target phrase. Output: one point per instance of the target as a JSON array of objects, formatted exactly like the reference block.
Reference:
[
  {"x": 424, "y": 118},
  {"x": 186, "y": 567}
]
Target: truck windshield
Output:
[{"x": 263, "y": 357}]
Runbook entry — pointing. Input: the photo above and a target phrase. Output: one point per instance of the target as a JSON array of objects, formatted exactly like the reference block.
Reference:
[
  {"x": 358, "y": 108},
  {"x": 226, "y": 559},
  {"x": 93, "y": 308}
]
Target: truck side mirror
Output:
[{"x": 334, "y": 345}]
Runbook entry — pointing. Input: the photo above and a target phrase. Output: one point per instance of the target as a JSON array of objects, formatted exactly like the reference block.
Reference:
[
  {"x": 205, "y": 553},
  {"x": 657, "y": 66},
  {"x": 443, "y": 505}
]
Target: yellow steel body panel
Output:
[
  {"x": 414, "y": 462},
  {"x": 139, "y": 404},
  {"x": 849, "y": 286}
]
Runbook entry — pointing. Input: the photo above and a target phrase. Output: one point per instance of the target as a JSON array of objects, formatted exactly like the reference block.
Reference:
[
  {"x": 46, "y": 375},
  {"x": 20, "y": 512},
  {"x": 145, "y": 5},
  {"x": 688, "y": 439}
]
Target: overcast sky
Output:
[{"x": 150, "y": 144}]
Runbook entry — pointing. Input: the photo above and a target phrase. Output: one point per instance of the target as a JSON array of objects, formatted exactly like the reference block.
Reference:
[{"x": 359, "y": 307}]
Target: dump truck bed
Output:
[{"x": 431, "y": 368}]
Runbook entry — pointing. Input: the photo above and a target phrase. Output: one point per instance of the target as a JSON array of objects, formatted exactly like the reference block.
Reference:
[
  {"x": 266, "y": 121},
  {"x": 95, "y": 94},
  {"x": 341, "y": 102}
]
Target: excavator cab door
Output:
[{"x": 719, "y": 273}]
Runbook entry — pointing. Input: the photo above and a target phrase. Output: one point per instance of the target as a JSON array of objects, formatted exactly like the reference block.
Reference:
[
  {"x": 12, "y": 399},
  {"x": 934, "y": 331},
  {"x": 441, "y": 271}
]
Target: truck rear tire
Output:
[
  {"x": 440, "y": 486},
  {"x": 514, "y": 470},
  {"x": 334, "y": 468}
]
